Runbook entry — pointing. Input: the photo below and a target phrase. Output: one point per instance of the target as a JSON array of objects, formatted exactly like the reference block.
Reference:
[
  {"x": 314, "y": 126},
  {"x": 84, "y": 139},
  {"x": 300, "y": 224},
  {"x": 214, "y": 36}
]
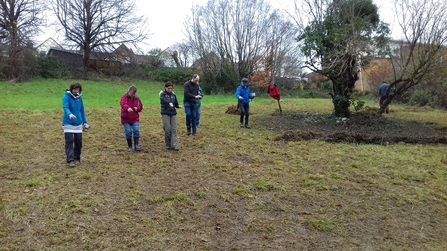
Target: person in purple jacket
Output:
[
  {"x": 131, "y": 106},
  {"x": 73, "y": 122}
]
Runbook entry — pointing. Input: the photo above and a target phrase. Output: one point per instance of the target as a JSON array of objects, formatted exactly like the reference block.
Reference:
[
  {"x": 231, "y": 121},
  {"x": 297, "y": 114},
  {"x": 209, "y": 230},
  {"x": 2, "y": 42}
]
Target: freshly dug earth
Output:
[{"x": 362, "y": 127}]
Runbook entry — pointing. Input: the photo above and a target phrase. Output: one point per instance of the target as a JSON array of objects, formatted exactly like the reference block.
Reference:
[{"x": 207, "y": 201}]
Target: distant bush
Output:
[
  {"x": 49, "y": 67},
  {"x": 434, "y": 96},
  {"x": 426, "y": 98},
  {"x": 357, "y": 103},
  {"x": 224, "y": 81},
  {"x": 421, "y": 98},
  {"x": 173, "y": 74},
  {"x": 325, "y": 85},
  {"x": 357, "y": 93},
  {"x": 312, "y": 94}
]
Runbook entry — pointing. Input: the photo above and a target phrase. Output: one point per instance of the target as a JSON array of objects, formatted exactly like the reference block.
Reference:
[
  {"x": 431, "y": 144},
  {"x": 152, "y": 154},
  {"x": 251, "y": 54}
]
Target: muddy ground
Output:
[{"x": 362, "y": 127}]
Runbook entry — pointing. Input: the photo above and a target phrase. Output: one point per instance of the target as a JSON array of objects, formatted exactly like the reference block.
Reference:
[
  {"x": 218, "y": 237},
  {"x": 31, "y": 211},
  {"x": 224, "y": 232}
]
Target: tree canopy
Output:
[{"x": 341, "y": 36}]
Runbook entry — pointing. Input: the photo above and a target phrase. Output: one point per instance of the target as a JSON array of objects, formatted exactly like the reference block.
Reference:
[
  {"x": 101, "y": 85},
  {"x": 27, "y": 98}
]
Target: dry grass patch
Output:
[{"x": 229, "y": 188}]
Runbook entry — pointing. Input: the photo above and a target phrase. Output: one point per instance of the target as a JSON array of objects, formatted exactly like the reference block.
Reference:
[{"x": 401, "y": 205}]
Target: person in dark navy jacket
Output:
[{"x": 169, "y": 103}]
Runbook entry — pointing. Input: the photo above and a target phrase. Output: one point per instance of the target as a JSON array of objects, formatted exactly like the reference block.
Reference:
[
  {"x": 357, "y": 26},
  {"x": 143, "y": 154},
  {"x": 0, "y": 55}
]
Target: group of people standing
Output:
[
  {"x": 131, "y": 105},
  {"x": 74, "y": 119}
]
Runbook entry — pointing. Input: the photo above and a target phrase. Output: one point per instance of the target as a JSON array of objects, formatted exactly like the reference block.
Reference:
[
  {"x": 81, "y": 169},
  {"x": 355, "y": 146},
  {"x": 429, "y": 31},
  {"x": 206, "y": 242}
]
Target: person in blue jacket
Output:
[
  {"x": 383, "y": 94},
  {"x": 73, "y": 122},
  {"x": 244, "y": 96}
]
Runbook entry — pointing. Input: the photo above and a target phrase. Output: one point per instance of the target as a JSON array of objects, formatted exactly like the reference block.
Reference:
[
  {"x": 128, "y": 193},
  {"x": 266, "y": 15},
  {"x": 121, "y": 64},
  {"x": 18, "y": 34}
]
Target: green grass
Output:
[
  {"x": 226, "y": 189},
  {"x": 33, "y": 183},
  {"x": 46, "y": 94}
]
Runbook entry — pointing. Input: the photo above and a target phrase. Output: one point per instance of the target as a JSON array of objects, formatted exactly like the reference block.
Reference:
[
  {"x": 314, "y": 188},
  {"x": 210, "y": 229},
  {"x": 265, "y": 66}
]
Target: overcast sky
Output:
[{"x": 166, "y": 18}]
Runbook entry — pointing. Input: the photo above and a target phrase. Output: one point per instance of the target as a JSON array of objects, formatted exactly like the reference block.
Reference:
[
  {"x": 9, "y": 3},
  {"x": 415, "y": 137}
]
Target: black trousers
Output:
[
  {"x": 73, "y": 146},
  {"x": 245, "y": 111}
]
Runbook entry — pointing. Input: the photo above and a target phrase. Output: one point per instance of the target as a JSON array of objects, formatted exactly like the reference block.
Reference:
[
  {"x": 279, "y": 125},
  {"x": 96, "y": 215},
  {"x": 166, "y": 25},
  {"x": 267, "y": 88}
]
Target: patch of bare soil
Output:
[
  {"x": 362, "y": 127},
  {"x": 233, "y": 110}
]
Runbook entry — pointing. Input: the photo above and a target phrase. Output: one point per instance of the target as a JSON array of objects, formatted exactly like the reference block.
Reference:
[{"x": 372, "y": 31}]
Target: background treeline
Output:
[
  {"x": 231, "y": 39},
  {"x": 432, "y": 92}
]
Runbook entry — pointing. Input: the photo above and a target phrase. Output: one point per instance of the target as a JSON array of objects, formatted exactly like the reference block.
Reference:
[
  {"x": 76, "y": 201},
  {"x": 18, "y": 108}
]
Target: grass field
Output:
[{"x": 226, "y": 189}]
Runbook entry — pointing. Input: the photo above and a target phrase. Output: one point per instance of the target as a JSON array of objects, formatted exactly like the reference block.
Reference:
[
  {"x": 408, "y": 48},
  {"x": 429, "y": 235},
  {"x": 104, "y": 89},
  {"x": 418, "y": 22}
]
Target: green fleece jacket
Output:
[{"x": 199, "y": 101}]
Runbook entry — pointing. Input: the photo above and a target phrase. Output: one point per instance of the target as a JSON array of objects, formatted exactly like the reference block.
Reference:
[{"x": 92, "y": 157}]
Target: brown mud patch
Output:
[{"x": 362, "y": 127}]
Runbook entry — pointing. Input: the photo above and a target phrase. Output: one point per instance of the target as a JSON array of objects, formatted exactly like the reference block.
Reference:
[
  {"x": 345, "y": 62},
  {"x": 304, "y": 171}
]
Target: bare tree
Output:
[
  {"x": 283, "y": 47},
  {"x": 231, "y": 37},
  {"x": 182, "y": 54},
  {"x": 422, "y": 51},
  {"x": 283, "y": 55},
  {"x": 19, "y": 21},
  {"x": 231, "y": 30},
  {"x": 98, "y": 24}
]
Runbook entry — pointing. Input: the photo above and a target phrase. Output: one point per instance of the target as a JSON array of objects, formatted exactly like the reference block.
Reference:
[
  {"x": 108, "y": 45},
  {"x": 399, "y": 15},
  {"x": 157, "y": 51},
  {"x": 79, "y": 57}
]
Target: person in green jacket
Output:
[{"x": 199, "y": 103}]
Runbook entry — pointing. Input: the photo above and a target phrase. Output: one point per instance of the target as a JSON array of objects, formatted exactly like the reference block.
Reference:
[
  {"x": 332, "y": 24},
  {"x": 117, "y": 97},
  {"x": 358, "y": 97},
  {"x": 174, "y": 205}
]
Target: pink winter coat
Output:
[{"x": 127, "y": 102}]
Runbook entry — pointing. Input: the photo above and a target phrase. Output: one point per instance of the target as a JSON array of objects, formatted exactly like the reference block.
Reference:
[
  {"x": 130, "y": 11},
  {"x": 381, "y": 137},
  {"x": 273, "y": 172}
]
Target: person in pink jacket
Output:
[{"x": 131, "y": 106}]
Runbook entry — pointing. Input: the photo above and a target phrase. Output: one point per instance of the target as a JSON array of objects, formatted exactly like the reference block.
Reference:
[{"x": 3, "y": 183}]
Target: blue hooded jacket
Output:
[
  {"x": 73, "y": 105},
  {"x": 244, "y": 92}
]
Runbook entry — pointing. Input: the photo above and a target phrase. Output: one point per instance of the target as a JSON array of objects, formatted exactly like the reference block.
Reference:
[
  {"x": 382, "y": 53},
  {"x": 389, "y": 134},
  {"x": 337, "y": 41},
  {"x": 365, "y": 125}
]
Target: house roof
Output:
[{"x": 48, "y": 44}]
